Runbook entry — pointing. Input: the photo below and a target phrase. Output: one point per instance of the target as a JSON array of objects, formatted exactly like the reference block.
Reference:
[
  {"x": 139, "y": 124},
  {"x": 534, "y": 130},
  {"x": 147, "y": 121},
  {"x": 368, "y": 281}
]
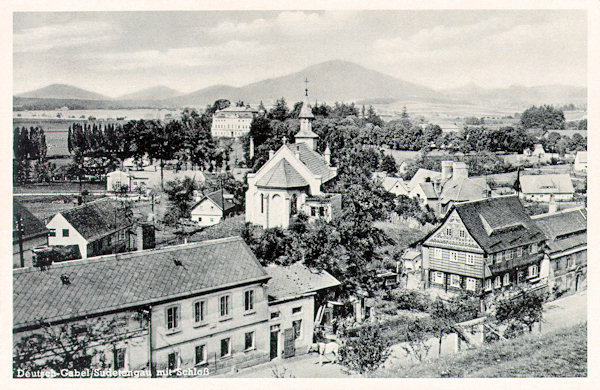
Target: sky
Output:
[{"x": 114, "y": 53}]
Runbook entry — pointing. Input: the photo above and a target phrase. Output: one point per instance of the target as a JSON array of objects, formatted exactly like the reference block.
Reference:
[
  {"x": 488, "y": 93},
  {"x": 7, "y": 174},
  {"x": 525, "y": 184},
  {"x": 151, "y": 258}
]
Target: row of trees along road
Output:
[
  {"x": 29, "y": 146},
  {"x": 186, "y": 140}
]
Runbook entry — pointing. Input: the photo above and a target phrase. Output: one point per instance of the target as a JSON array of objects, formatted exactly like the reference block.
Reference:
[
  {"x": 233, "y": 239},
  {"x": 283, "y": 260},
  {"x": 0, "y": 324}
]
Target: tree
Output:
[
  {"x": 526, "y": 309},
  {"x": 180, "y": 194},
  {"x": 367, "y": 351},
  {"x": 544, "y": 117},
  {"x": 388, "y": 164},
  {"x": 280, "y": 111},
  {"x": 416, "y": 334}
]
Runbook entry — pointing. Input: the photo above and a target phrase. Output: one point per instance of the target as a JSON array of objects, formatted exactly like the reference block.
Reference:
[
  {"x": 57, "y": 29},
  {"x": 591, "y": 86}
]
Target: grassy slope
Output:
[{"x": 558, "y": 354}]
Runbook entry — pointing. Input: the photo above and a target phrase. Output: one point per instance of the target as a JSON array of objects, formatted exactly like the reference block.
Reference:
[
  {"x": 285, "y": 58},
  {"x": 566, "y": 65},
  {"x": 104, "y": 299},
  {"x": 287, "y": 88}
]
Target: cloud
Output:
[
  {"x": 185, "y": 57},
  {"x": 57, "y": 36}
]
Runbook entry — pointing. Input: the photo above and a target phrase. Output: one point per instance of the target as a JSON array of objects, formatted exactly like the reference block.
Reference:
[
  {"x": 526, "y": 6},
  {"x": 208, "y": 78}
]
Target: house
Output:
[
  {"x": 581, "y": 161},
  {"x": 291, "y": 181},
  {"x": 393, "y": 185},
  {"x": 232, "y": 121},
  {"x": 411, "y": 260},
  {"x": 483, "y": 246},
  {"x": 539, "y": 152},
  {"x": 212, "y": 208},
  {"x": 297, "y": 307},
  {"x": 29, "y": 233},
  {"x": 566, "y": 248},
  {"x": 426, "y": 194},
  {"x": 547, "y": 187},
  {"x": 199, "y": 305},
  {"x": 423, "y": 176},
  {"x": 99, "y": 227}
]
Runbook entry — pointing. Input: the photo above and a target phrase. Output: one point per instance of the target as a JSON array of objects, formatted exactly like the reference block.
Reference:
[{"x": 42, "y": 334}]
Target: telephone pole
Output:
[{"x": 20, "y": 234}]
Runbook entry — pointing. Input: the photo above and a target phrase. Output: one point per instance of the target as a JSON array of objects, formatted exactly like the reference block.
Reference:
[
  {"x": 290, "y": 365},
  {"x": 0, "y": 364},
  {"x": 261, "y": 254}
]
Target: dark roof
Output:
[
  {"x": 32, "y": 227},
  {"x": 282, "y": 175},
  {"x": 497, "y": 223},
  {"x": 117, "y": 282},
  {"x": 566, "y": 229},
  {"x": 98, "y": 218},
  {"x": 313, "y": 161},
  {"x": 562, "y": 223},
  {"x": 296, "y": 280},
  {"x": 217, "y": 197}
]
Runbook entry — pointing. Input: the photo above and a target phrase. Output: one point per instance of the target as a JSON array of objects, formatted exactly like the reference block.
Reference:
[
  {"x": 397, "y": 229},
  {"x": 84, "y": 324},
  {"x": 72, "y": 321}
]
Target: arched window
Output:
[
  {"x": 262, "y": 203},
  {"x": 294, "y": 205}
]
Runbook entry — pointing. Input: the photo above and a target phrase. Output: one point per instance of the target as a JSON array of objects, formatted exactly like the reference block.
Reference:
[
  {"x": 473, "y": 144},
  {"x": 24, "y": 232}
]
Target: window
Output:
[
  {"x": 570, "y": 262},
  {"x": 461, "y": 233},
  {"x": 471, "y": 284},
  {"x": 249, "y": 300},
  {"x": 262, "y": 203},
  {"x": 455, "y": 280},
  {"x": 488, "y": 284},
  {"x": 313, "y": 211},
  {"x": 224, "y": 305},
  {"x": 65, "y": 232},
  {"x": 438, "y": 277},
  {"x": 275, "y": 315},
  {"x": 519, "y": 251},
  {"x": 297, "y": 325},
  {"x": 52, "y": 233},
  {"x": 119, "y": 359},
  {"x": 470, "y": 259},
  {"x": 448, "y": 232},
  {"x": 437, "y": 253},
  {"x": 321, "y": 211},
  {"x": 499, "y": 256},
  {"x": 533, "y": 248},
  {"x": 248, "y": 340},
  {"x": 296, "y": 310},
  {"x": 509, "y": 254},
  {"x": 199, "y": 311},
  {"x": 200, "y": 354},
  {"x": 173, "y": 361},
  {"x": 172, "y": 318},
  {"x": 506, "y": 281},
  {"x": 497, "y": 282},
  {"x": 225, "y": 347},
  {"x": 532, "y": 271},
  {"x": 453, "y": 256}
]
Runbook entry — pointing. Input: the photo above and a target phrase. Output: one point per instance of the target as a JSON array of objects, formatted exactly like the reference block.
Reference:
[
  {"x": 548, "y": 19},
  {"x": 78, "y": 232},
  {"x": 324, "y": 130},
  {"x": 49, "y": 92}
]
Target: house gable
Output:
[
  {"x": 203, "y": 208},
  {"x": 457, "y": 240}
]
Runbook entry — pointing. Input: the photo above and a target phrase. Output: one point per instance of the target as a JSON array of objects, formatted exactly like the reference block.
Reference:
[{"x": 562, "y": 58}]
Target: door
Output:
[
  {"x": 273, "y": 343},
  {"x": 289, "y": 349}
]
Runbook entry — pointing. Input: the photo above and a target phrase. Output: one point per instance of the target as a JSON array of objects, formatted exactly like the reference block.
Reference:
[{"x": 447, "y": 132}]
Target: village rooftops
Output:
[
  {"x": 497, "y": 224},
  {"x": 219, "y": 200},
  {"x": 566, "y": 229},
  {"x": 32, "y": 227},
  {"x": 292, "y": 281},
  {"x": 112, "y": 283},
  {"x": 463, "y": 189},
  {"x": 547, "y": 184},
  {"x": 97, "y": 218}
]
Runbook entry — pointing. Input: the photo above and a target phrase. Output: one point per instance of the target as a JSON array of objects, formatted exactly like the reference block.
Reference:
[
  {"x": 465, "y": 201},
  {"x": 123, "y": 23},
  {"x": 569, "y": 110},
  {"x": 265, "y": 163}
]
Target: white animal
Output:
[{"x": 329, "y": 348}]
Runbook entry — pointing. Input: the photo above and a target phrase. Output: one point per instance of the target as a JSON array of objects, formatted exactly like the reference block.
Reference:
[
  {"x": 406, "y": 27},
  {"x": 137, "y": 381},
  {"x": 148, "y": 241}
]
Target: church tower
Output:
[{"x": 306, "y": 135}]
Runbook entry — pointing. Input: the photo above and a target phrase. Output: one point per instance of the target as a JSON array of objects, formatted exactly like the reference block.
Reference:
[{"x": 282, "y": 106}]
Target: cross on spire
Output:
[{"x": 306, "y": 88}]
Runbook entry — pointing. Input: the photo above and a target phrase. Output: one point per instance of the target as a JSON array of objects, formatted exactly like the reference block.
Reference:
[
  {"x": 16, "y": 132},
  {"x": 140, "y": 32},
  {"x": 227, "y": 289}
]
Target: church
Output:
[{"x": 291, "y": 181}]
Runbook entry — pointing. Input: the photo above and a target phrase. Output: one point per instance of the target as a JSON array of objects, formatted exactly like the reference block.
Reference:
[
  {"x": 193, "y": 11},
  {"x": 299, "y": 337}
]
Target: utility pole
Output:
[
  {"x": 20, "y": 234},
  {"x": 222, "y": 199}
]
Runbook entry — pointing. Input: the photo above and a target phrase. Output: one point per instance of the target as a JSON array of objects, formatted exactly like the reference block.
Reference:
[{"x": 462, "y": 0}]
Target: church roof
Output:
[
  {"x": 306, "y": 112},
  {"x": 313, "y": 161},
  {"x": 282, "y": 175}
]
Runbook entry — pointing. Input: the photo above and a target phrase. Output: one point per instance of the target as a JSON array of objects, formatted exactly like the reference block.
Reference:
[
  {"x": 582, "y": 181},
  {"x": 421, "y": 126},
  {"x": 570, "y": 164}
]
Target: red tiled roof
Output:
[
  {"x": 116, "y": 282},
  {"x": 295, "y": 280}
]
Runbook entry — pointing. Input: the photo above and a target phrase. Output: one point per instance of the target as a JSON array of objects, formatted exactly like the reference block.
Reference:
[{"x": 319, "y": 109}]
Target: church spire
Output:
[{"x": 306, "y": 135}]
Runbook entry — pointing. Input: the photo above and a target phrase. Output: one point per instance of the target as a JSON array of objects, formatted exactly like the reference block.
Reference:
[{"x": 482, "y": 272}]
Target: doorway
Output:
[{"x": 274, "y": 342}]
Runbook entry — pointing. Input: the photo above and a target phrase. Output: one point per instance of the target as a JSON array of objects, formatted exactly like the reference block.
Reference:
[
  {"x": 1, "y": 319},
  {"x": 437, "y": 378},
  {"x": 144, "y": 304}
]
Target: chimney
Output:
[
  {"x": 271, "y": 153},
  {"x": 251, "y": 153},
  {"x": 139, "y": 238},
  {"x": 552, "y": 206},
  {"x": 327, "y": 155},
  {"x": 460, "y": 170},
  {"x": 297, "y": 154},
  {"x": 446, "y": 170}
]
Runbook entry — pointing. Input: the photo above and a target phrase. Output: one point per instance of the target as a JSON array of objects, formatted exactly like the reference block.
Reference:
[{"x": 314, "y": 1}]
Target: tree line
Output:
[{"x": 29, "y": 155}]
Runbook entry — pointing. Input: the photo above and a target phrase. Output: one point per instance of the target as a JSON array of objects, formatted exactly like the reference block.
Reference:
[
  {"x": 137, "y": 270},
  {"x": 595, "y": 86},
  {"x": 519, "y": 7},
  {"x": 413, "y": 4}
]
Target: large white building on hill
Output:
[{"x": 232, "y": 121}]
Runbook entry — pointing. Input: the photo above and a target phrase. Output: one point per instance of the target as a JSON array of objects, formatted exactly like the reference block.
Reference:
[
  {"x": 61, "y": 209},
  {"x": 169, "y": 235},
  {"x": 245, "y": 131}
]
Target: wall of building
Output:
[
  {"x": 28, "y": 246},
  {"x": 206, "y": 213},
  {"x": 281, "y": 317},
  {"x": 568, "y": 273},
  {"x": 189, "y": 334},
  {"x": 58, "y": 223}
]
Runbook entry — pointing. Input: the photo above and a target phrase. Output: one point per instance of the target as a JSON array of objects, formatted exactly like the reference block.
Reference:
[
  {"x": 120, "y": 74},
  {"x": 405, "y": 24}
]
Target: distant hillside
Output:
[
  {"x": 519, "y": 96},
  {"x": 159, "y": 92},
  {"x": 63, "y": 91}
]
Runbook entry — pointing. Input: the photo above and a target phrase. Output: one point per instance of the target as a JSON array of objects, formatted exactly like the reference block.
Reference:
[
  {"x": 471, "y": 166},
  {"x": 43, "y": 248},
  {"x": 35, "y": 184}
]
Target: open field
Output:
[{"x": 561, "y": 353}]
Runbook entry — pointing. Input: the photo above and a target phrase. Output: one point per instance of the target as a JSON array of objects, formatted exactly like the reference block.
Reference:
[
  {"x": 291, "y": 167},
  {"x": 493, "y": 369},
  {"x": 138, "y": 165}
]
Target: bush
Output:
[
  {"x": 411, "y": 300},
  {"x": 367, "y": 351}
]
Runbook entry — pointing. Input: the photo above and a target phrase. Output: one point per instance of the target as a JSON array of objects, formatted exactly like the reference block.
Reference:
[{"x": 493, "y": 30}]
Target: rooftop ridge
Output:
[
  {"x": 564, "y": 211},
  {"x": 83, "y": 205},
  {"x": 467, "y": 202},
  {"x": 128, "y": 255}
]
